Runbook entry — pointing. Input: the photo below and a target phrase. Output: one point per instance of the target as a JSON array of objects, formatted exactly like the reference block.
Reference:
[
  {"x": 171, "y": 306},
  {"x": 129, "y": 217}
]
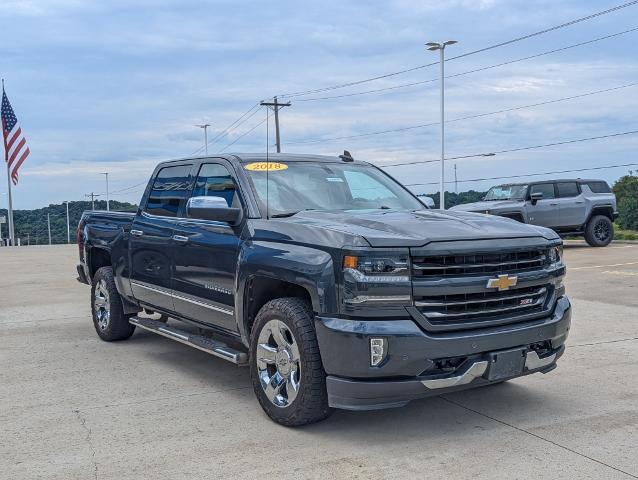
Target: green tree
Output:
[{"x": 626, "y": 190}]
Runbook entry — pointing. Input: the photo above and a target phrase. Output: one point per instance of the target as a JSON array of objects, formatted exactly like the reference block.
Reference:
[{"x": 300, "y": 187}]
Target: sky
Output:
[{"x": 118, "y": 86}]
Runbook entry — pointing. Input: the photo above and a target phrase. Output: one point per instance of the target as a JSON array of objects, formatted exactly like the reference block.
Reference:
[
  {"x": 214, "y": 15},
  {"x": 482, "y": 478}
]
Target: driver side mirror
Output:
[
  {"x": 213, "y": 208},
  {"x": 535, "y": 197}
]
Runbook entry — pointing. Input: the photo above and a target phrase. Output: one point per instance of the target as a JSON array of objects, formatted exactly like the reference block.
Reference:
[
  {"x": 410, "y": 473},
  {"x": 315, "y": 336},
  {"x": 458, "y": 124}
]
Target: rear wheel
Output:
[
  {"x": 286, "y": 369},
  {"x": 599, "y": 231},
  {"x": 109, "y": 320}
]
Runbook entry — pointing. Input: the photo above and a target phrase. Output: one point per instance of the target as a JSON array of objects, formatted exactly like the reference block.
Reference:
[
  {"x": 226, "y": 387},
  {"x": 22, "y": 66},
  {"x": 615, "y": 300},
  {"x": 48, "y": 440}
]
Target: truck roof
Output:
[
  {"x": 578, "y": 180},
  {"x": 273, "y": 157}
]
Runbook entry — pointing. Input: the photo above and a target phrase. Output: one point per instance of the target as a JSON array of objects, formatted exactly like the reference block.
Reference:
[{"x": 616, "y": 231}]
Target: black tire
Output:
[
  {"x": 115, "y": 326},
  {"x": 599, "y": 231},
  {"x": 310, "y": 402}
]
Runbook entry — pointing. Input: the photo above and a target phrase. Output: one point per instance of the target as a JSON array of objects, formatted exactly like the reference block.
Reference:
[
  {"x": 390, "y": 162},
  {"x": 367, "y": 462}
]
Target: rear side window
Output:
[
  {"x": 547, "y": 189},
  {"x": 170, "y": 190},
  {"x": 214, "y": 180},
  {"x": 598, "y": 187},
  {"x": 567, "y": 189}
]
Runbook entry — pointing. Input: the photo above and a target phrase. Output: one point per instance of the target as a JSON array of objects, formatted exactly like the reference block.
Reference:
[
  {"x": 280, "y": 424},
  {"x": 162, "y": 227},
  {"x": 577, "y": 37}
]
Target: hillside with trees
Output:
[{"x": 31, "y": 225}]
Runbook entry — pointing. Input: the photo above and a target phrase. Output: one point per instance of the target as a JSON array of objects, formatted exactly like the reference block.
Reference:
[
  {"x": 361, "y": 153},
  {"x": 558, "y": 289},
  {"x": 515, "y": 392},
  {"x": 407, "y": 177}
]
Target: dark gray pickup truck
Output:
[{"x": 333, "y": 283}]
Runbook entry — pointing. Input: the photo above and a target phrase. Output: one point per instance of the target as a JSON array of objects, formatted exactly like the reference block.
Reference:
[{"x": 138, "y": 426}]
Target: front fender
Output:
[{"x": 307, "y": 267}]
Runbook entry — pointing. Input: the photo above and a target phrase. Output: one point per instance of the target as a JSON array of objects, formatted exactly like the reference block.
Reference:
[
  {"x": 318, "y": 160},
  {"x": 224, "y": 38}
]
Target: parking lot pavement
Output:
[{"x": 73, "y": 407}]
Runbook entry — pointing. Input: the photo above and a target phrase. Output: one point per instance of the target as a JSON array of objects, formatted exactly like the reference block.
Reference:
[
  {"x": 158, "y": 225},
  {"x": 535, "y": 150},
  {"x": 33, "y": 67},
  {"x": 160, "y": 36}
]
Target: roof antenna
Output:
[{"x": 346, "y": 157}]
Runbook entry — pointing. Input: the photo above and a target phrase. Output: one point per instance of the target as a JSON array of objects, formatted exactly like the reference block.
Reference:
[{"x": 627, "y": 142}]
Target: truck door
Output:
[
  {"x": 205, "y": 254},
  {"x": 151, "y": 237},
  {"x": 545, "y": 212},
  {"x": 571, "y": 203}
]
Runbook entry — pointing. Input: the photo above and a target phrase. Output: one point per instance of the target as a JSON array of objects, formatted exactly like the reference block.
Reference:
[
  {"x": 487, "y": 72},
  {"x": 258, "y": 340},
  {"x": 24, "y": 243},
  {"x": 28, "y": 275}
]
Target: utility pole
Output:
[
  {"x": 49, "y": 226},
  {"x": 456, "y": 183},
  {"x": 276, "y": 106},
  {"x": 106, "y": 174},
  {"x": 92, "y": 195},
  {"x": 441, "y": 47},
  {"x": 205, "y": 127},
  {"x": 68, "y": 228}
]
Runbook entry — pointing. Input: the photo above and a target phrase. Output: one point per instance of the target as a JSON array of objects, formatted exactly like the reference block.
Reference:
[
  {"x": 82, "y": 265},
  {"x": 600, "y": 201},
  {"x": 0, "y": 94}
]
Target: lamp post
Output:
[
  {"x": 441, "y": 47},
  {"x": 205, "y": 127},
  {"x": 68, "y": 227},
  {"x": 106, "y": 174}
]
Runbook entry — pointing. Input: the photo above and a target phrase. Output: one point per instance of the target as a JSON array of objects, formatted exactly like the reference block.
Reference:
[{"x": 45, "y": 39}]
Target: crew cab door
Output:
[
  {"x": 545, "y": 211},
  {"x": 205, "y": 254},
  {"x": 571, "y": 203},
  {"x": 151, "y": 236}
]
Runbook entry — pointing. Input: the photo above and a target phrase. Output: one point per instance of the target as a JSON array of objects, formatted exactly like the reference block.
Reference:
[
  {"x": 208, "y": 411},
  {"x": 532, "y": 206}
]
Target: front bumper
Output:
[{"x": 407, "y": 372}]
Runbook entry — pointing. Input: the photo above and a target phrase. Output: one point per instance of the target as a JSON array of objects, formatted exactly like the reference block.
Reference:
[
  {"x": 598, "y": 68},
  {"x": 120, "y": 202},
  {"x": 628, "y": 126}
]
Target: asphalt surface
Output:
[{"x": 74, "y": 407}]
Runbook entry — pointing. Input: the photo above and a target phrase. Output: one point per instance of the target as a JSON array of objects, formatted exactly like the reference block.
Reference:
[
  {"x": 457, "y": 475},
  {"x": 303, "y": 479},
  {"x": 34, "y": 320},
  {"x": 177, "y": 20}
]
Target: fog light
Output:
[{"x": 377, "y": 351}]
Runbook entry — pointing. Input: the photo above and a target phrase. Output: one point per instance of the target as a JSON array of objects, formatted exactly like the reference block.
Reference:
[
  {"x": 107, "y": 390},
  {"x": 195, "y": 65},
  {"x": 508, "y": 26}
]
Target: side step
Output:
[{"x": 200, "y": 342}]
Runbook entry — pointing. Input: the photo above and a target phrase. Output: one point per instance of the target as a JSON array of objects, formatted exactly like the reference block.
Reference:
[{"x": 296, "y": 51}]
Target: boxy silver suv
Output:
[{"x": 570, "y": 207}]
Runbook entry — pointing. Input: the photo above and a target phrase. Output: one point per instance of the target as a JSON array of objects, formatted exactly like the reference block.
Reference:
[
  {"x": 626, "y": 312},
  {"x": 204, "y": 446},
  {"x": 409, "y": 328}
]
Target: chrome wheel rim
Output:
[
  {"x": 602, "y": 231},
  {"x": 102, "y": 305},
  {"x": 278, "y": 363}
]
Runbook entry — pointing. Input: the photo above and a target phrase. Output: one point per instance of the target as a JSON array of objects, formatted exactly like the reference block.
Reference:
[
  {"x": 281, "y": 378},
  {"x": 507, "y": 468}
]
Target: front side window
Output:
[
  {"x": 294, "y": 186},
  {"x": 214, "y": 180},
  {"x": 567, "y": 189},
  {"x": 547, "y": 189},
  {"x": 170, "y": 191}
]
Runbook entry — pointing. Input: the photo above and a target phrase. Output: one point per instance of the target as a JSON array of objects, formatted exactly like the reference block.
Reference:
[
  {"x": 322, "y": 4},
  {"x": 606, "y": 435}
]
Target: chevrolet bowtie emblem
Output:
[{"x": 503, "y": 282}]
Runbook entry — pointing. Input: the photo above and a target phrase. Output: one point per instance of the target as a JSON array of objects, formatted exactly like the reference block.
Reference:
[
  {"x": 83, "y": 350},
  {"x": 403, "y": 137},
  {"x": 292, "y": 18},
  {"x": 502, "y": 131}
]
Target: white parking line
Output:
[
  {"x": 603, "y": 266},
  {"x": 620, "y": 272}
]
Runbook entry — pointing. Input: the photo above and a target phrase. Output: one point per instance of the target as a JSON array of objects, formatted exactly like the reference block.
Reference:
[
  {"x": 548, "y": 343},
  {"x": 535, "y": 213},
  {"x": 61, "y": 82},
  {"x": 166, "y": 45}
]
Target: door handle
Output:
[
  {"x": 180, "y": 238},
  {"x": 553, "y": 204},
  {"x": 137, "y": 233}
]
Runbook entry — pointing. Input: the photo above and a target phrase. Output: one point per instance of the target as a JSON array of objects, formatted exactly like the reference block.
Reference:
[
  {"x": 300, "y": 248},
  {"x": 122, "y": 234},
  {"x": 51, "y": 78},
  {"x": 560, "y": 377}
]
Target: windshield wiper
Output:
[{"x": 290, "y": 214}]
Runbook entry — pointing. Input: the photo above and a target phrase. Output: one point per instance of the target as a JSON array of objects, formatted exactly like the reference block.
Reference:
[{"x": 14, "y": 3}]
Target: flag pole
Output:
[{"x": 10, "y": 209}]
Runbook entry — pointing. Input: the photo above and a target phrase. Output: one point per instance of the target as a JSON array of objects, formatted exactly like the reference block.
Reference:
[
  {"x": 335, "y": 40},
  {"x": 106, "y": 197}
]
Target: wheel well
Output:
[
  {"x": 606, "y": 211},
  {"x": 261, "y": 290},
  {"x": 98, "y": 258}
]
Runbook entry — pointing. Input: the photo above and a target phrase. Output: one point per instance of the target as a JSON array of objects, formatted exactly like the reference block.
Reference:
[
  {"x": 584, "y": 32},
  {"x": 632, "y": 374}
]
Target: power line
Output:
[
  {"x": 527, "y": 174},
  {"x": 130, "y": 187},
  {"x": 463, "y": 55},
  {"x": 467, "y": 117},
  {"x": 421, "y": 82},
  {"x": 511, "y": 150},
  {"x": 247, "y": 115},
  {"x": 242, "y": 136}
]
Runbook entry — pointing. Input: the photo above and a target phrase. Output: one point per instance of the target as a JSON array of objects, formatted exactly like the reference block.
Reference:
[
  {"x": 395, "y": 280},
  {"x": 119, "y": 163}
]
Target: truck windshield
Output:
[
  {"x": 296, "y": 186},
  {"x": 506, "y": 192}
]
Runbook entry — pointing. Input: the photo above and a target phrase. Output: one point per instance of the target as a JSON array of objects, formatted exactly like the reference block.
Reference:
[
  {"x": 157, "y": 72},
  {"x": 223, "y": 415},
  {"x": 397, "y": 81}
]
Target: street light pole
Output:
[
  {"x": 441, "y": 47},
  {"x": 68, "y": 228},
  {"x": 205, "y": 127},
  {"x": 106, "y": 174}
]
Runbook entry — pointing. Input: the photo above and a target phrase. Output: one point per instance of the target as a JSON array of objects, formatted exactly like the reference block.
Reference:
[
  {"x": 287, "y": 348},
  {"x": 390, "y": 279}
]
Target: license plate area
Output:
[{"x": 505, "y": 364}]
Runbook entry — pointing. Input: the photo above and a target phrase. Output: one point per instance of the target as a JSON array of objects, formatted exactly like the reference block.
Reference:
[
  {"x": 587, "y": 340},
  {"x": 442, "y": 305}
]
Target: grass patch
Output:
[{"x": 620, "y": 234}]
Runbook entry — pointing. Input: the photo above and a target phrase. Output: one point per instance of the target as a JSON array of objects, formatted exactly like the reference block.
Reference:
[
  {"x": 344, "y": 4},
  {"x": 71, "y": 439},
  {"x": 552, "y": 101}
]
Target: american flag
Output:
[{"x": 16, "y": 150}]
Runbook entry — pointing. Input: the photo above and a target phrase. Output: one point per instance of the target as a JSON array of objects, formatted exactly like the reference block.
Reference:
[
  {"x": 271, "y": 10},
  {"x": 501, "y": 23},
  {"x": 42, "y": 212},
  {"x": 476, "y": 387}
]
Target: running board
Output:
[{"x": 200, "y": 342}]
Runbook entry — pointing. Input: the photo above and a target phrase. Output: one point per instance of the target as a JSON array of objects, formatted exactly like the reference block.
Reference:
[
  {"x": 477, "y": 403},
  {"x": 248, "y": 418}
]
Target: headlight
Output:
[
  {"x": 373, "y": 280},
  {"x": 556, "y": 256},
  {"x": 377, "y": 269}
]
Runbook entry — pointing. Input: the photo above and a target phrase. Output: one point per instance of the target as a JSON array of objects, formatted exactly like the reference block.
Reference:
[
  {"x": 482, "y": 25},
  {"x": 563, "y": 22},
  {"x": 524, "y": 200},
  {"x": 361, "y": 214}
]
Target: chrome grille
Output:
[
  {"x": 478, "y": 264},
  {"x": 476, "y": 307}
]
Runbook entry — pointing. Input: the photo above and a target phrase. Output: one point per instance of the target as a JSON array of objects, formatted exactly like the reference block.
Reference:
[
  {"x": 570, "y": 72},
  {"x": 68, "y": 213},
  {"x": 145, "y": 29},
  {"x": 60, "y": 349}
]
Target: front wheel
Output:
[
  {"x": 285, "y": 364},
  {"x": 109, "y": 320},
  {"x": 599, "y": 231}
]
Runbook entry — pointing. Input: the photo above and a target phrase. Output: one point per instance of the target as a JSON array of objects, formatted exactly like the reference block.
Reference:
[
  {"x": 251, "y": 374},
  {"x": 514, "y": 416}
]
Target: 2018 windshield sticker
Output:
[{"x": 266, "y": 166}]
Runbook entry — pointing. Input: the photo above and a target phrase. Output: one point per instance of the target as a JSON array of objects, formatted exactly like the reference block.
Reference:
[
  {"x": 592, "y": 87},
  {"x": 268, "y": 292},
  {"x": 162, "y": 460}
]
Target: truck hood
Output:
[
  {"x": 485, "y": 206},
  {"x": 392, "y": 228}
]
